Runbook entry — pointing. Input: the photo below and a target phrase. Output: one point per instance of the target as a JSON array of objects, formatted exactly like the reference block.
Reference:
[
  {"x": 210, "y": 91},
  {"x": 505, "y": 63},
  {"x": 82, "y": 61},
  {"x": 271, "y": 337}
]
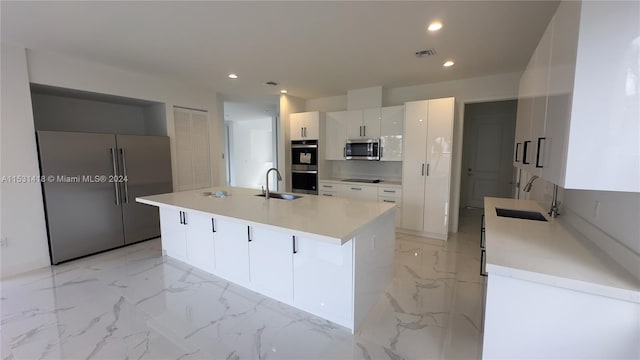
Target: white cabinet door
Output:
[
  {"x": 297, "y": 123},
  {"x": 371, "y": 123},
  {"x": 398, "y": 203},
  {"x": 200, "y": 241},
  {"x": 231, "y": 247},
  {"x": 173, "y": 233},
  {"x": 323, "y": 279},
  {"x": 414, "y": 165},
  {"x": 562, "y": 69},
  {"x": 271, "y": 263},
  {"x": 391, "y": 131},
  {"x": 304, "y": 126},
  {"x": 438, "y": 171},
  {"x": 539, "y": 106},
  {"x": 354, "y": 124},
  {"x": 335, "y": 135}
]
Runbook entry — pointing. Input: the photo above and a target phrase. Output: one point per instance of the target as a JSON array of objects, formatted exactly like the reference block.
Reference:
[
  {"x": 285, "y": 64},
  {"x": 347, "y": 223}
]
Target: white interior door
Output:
[
  {"x": 201, "y": 151},
  {"x": 183, "y": 148}
]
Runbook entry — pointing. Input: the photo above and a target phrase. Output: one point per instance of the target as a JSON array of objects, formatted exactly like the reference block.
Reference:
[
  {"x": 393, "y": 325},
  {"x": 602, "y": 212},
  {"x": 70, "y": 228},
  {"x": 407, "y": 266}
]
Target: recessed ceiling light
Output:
[
  {"x": 283, "y": 91},
  {"x": 434, "y": 26},
  {"x": 448, "y": 63},
  {"x": 233, "y": 76}
]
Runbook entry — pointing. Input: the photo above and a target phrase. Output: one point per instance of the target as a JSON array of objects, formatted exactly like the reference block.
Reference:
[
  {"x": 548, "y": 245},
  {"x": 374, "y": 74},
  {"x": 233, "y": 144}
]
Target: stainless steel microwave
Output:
[{"x": 362, "y": 149}]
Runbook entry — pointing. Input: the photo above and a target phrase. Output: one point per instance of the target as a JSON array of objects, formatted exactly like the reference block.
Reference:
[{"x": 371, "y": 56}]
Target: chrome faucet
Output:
[
  {"x": 555, "y": 204},
  {"x": 266, "y": 194},
  {"x": 527, "y": 188}
]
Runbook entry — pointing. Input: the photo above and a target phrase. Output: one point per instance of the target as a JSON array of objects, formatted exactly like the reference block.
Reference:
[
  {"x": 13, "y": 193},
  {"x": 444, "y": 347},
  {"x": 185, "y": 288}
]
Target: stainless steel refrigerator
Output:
[{"x": 91, "y": 184}]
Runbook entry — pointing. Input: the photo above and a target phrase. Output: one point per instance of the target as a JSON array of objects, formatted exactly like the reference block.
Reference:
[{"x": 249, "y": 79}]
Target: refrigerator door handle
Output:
[
  {"x": 124, "y": 179},
  {"x": 115, "y": 174}
]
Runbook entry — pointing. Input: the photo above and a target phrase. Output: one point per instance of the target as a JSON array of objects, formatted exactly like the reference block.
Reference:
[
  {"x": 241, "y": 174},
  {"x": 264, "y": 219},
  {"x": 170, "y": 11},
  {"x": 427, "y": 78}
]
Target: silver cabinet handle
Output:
[
  {"x": 327, "y": 186},
  {"x": 389, "y": 191},
  {"x": 355, "y": 188},
  {"x": 327, "y": 194},
  {"x": 115, "y": 174},
  {"x": 389, "y": 201},
  {"x": 422, "y": 169},
  {"x": 344, "y": 152},
  {"x": 427, "y": 169},
  {"x": 124, "y": 171},
  {"x": 364, "y": 130}
]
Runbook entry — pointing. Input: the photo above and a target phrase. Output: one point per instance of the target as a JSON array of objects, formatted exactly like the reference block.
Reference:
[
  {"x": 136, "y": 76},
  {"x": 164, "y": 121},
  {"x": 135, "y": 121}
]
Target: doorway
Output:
[
  {"x": 251, "y": 143},
  {"x": 489, "y": 133}
]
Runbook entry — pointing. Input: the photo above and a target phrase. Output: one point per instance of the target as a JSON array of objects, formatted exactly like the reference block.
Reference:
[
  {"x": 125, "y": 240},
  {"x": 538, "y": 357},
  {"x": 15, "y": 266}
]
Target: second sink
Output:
[
  {"x": 520, "y": 214},
  {"x": 281, "y": 196}
]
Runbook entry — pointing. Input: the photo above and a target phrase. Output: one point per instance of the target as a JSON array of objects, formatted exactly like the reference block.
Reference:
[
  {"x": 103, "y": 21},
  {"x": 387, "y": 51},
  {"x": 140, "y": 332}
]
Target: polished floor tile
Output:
[{"x": 131, "y": 303}]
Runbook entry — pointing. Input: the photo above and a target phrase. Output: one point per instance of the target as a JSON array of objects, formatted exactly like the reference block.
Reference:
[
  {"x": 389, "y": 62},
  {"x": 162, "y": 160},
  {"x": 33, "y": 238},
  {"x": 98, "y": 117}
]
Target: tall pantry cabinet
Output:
[{"x": 426, "y": 170}]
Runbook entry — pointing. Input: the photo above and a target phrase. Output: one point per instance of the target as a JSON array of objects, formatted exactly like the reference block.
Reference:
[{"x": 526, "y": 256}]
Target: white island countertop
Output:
[
  {"x": 551, "y": 253},
  {"x": 333, "y": 220}
]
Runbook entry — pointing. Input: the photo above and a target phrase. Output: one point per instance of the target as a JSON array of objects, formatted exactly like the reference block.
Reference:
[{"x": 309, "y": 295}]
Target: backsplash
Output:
[
  {"x": 383, "y": 170},
  {"x": 609, "y": 219}
]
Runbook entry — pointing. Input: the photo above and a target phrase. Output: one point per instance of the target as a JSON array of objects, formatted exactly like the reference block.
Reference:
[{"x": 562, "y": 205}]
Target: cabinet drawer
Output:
[
  {"x": 327, "y": 193},
  {"x": 361, "y": 192},
  {"x": 391, "y": 192},
  {"x": 393, "y": 200}
]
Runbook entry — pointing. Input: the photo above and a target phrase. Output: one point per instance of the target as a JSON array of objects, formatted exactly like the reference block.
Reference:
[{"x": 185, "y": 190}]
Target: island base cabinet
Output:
[
  {"x": 525, "y": 319},
  {"x": 271, "y": 263},
  {"x": 200, "y": 241},
  {"x": 174, "y": 242},
  {"x": 323, "y": 279},
  {"x": 232, "y": 247}
]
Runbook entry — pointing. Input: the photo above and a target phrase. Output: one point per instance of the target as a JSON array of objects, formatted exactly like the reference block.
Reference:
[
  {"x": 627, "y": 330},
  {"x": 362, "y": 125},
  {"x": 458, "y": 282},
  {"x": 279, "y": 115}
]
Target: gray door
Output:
[
  {"x": 146, "y": 163},
  {"x": 489, "y": 130},
  {"x": 84, "y": 215}
]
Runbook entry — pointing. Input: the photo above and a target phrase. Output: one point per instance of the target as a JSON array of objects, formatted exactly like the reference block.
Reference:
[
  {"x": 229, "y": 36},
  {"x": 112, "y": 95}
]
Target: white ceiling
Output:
[{"x": 313, "y": 49}]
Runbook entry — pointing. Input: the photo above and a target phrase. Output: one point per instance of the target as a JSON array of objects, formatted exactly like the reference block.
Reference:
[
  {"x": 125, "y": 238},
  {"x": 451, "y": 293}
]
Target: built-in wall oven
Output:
[{"x": 304, "y": 166}]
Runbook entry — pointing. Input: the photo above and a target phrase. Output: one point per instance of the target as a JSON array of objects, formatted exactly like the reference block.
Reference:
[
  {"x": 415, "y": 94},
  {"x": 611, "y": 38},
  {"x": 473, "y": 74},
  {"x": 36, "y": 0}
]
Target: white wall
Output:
[
  {"x": 22, "y": 214},
  {"x": 25, "y": 220},
  {"x": 607, "y": 218},
  {"x": 485, "y": 88}
]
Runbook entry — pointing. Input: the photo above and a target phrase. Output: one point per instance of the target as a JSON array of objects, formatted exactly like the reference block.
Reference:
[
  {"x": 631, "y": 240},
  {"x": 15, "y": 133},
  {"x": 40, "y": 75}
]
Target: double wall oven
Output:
[{"x": 304, "y": 166}]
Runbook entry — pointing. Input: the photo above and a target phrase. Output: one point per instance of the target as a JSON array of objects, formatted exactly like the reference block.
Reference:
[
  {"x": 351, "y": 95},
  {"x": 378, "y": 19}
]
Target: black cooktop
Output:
[{"x": 372, "y": 181}]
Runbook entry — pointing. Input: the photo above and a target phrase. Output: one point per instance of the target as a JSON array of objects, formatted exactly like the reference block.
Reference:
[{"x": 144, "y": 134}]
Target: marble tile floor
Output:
[{"x": 131, "y": 303}]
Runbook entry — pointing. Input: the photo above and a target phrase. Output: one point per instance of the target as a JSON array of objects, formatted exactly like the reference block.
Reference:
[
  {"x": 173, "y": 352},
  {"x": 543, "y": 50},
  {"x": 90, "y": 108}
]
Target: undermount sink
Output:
[
  {"x": 281, "y": 196},
  {"x": 520, "y": 214}
]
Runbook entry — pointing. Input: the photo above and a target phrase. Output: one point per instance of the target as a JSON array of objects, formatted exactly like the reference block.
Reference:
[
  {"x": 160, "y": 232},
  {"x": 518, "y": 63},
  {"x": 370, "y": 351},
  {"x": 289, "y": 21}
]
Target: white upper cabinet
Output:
[
  {"x": 305, "y": 126},
  {"x": 363, "y": 124},
  {"x": 589, "y": 137},
  {"x": 335, "y": 135},
  {"x": 391, "y": 132}
]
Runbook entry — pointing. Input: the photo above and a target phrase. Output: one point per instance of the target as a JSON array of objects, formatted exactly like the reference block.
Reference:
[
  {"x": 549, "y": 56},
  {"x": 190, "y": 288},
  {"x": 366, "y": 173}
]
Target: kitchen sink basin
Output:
[
  {"x": 520, "y": 214},
  {"x": 281, "y": 196}
]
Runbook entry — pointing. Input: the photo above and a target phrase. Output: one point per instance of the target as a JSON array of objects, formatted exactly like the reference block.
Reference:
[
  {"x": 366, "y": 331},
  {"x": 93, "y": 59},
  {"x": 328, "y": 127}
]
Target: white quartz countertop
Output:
[
  {"x": 333, "y": 220},
  {"x": 548, "y": 252}
]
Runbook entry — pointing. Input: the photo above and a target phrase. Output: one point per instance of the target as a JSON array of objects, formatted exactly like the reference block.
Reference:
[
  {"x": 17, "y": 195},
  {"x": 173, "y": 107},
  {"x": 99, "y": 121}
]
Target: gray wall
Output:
[{"x": 57, "y": 113}]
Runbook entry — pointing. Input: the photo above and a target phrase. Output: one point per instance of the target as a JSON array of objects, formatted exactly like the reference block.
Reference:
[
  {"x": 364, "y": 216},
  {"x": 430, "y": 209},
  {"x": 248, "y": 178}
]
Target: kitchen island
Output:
[
  {"x": 551, "y": 293},
  {"x": 330, "y": 257}
]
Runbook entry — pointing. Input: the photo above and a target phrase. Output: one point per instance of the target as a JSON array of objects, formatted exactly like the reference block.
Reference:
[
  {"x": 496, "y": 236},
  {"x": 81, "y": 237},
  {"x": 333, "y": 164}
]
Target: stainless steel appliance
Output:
[
  {"x": 362, "y": 149},
  {"x": 92, "y": 183},
  {"x": 304, "y": 166}
]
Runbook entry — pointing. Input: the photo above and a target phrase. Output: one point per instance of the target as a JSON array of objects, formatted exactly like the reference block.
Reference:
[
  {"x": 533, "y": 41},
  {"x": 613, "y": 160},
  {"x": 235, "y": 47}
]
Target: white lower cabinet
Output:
[
  {"x": 398, "y": 203},
  {"x": 323, "y": 279},
  {"x": 232, "y": 249},
  {"x": 174, "y": 241},
  {"x": 200, "y": 241},
  {"x": 361, "y": 192},
  {"x": 271, "y": 263}
]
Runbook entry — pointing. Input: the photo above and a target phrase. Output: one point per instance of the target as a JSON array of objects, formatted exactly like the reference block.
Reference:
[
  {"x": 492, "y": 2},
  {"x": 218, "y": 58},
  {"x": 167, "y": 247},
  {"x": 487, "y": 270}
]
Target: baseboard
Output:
[{"x": 429, "y": 235}]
